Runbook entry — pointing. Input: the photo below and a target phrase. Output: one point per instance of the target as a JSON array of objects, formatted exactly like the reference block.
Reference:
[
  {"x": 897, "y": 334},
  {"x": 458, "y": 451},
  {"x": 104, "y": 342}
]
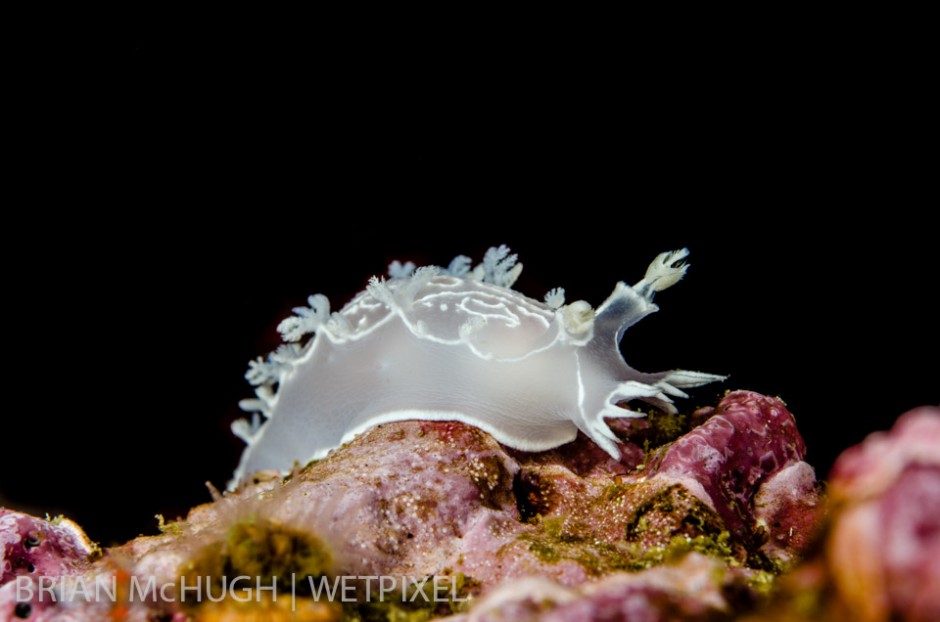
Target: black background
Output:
[{"x": 172, "y": 197}]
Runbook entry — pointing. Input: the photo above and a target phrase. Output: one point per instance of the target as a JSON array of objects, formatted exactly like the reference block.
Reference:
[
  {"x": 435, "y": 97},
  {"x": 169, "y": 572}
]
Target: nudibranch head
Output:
[{"x": 458, "y": 344}]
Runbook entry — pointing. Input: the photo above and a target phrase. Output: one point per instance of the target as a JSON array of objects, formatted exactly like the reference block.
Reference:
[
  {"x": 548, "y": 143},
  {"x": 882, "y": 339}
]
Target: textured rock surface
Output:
[
  {"x": 700, "y": 488},
  {"x": 880, "y": 560},
  {"x": 747, "y": 439},
  {"x": 690, "y": 523},
  {"x": 31, "y": 547},
  {"x": 884, "y": 552},
  {"x": 696, "y": 589},
  {"x": 787, "y": 505}
]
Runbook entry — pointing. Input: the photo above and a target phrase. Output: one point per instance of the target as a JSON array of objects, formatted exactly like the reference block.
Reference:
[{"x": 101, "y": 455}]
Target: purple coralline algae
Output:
[
  {"x": 746, "y": 459},
  {"x": 30, "y": 548},
  {"x": 879, "y": 557},
  {"x": 30, "y": 545},
  {"x": 884, "y": 550},
  {"x": 682, "y": 524}
]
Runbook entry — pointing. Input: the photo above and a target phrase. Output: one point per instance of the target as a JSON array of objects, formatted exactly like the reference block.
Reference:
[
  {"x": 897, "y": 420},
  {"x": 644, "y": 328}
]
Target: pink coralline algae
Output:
[
  {"x": 695, "y": 589},
  {"x": 32, "y": 547},
  {"x": 704, "y": 486},
  {"x": 711, "y": 517},
  {"x": 880, "y": 558},
  {"x": 749, "y": 441},
  {"x": 681, "y": 527},
  {"x": 884, "y": 552}
]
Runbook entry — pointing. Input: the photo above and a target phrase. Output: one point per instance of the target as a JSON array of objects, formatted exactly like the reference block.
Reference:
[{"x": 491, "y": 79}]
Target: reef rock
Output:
[
  {"x": 880, "y": 559},
  {"x": 884, "y": 551},
  {"x": 696, "y": 588},
  {"x": 693, "y": 521},
  {"x": 31, "y": 547}
]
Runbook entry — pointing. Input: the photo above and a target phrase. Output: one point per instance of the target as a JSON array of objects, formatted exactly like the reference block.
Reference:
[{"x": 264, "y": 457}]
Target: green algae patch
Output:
[
  {"x": 559, "y": 538},
  {"x": 437, "y": 596},
  {"x": 678, "y": 547},
  {"x": 628, "y": 535},
  {"x": 669, "y": 512},
  {"x": 664, "y": 428},
  {"x": 270, "y": 553},
  {"x": 264, "y": 551}
]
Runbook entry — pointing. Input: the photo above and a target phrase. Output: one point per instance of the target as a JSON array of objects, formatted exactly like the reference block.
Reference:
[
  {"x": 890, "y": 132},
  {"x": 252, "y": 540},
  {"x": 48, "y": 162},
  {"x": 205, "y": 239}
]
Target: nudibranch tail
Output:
[{"x": 455, "y": 343}]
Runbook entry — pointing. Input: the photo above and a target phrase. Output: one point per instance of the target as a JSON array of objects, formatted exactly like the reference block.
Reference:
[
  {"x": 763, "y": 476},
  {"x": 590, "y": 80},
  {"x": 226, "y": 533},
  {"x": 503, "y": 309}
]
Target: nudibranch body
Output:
[{"x": 457, "y": 344}]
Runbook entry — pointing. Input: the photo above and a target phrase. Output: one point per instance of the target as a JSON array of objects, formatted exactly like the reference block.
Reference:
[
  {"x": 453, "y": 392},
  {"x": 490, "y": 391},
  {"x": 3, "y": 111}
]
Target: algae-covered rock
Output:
[
  {"x": 880, "y": 558},
  {"x": 420, "y": 520}
]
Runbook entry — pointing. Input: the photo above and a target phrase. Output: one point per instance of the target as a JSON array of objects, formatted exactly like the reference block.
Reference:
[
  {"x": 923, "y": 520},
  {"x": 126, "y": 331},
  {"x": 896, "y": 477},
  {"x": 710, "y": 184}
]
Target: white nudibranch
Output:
[{"x": 455, "y": 344}]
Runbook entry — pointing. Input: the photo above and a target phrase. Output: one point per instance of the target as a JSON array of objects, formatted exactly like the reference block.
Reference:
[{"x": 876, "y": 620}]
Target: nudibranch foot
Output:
[{"x": 455, "y": 343}]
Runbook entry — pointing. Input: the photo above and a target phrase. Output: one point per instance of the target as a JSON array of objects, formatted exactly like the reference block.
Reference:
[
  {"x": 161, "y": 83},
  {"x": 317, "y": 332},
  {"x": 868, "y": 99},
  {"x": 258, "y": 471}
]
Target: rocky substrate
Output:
[{"x": 704, "y": 517}]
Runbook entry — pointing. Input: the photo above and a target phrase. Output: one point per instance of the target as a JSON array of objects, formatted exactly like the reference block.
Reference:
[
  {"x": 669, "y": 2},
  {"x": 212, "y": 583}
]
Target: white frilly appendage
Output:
[
  {"x": 555, "y": 298},
  {"x": 266, "y": 374},
  {"x": 246, "y": 430},
  {"x": 307, "y": 319},
  {"x": 498, "y": 267},
  {"x": 399, "y": 270}
]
